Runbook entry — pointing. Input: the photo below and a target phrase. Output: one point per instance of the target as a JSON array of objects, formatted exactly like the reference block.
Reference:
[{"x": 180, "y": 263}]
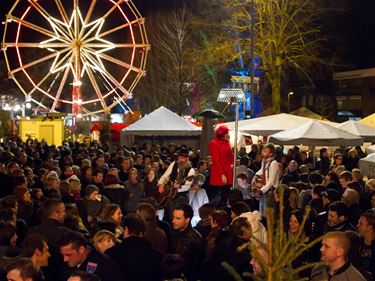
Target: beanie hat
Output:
[
  {"x": 350, "y": 197},
  {"x": 90, "y": 189},
  {"x": 258, "y": 230},
  {"x": 332, "y": 195},
  {"x": 222, "y": 130}
]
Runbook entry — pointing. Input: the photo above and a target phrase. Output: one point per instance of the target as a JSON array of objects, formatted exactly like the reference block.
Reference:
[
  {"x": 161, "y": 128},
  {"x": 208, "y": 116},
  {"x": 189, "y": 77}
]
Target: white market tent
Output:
[
  {"x": 367, "y": 165},
  {"x": 160, "y": 123},
  {"x": 268, "y": 125},
  {"x": 370, "y": 149},
  {"x": 315, "y": 133},
  {"x": 358, "y": 129}
]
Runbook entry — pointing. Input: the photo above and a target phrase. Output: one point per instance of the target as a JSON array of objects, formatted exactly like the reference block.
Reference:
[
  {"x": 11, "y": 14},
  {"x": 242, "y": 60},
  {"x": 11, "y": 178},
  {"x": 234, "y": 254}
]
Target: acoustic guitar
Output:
[{"x": 170, "y": 192}]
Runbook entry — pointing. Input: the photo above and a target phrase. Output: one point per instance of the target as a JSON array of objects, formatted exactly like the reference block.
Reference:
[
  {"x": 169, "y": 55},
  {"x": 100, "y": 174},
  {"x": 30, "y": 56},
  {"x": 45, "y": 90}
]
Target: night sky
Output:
[{"x": 355, "y": 27}]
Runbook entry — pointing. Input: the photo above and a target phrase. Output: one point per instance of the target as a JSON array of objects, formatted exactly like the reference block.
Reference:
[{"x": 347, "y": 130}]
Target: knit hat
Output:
[
  {"x": 350, "y": 197},
  {"x": 90, "y": 189},
  {"x": 222, "y": 130},
  {"x": 332, "y": 195}
]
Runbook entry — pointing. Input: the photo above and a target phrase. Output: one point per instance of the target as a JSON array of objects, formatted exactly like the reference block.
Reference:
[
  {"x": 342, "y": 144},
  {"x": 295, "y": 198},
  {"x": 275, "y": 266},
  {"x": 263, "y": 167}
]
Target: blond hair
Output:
[{"x": 102, "y": 234}]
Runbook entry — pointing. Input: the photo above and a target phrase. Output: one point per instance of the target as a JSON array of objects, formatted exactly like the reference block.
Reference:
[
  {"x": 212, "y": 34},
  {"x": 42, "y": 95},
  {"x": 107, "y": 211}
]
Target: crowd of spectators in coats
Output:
[{"x": 90, "y": 212}]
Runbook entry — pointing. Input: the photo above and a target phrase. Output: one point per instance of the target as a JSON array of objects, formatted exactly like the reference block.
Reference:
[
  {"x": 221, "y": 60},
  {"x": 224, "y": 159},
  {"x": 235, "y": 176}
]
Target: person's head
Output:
[
  {"x": 100, "y": 161},
  {"x": 345, "y": 177},
  {"x": 238, "y": 208},
  {"x": 350, "y": 197},
  {"x": 235, "y": 195},
  {"x": 202, "y": 166},
  {"x": 206, "y": 210},
  {"x": 329, "y": 196},
  {"x": 181, "y": 216},
  {"x": 172, "y": 266},
  {"x": 370, "y": 185},
  {"x": 220, "y": 218},
  {"x": 357, "y": 174},
  {"x": 335, "y": 246},
  {"x": 337, "y": 212},
  {"x": 222, "y": 133},
  {"x": 8, "y": 234},
  {"x": 242, "y": 180},
  {"x": 97, "y": 175},
  {"x": 54, "y": 209},
  {"x": 295, "y": 221},
  {"x": 133, "y": 175},
  {"x": 126, "y": 163},
  {"x": 91, "y": 192},
  {"x": 338, "y": 159},
  {"x": 268, "y": 150},
  {"x": 111, "y": 212},
  {"x": 73, "y": 248},
  {"x": 366, "y": 224},
  {"x": 292, "y": 166},
  {"x": 315, "y": 178},
  {"x": 21, "y": 269},
  {"x": 316, "y": 191},
  {"x": 339, "y": 169},
  {"x": 134, "y": 225},
  {"x": 103, "y": 240},
  {"x": 259, "y": 258},
  {"x": 36, "y": 248},
  {"x": 22, "y": 194},
  {"x": 147, "y": 212},
  {"x": 241, "y": 228},
  {"x": 150, "y": 175},
  {"x": 293, "y": 197},
  {"x": 83, "y": 276},
  {"x": 67, "y": 171},
  {"x": 183, "y": 156}
]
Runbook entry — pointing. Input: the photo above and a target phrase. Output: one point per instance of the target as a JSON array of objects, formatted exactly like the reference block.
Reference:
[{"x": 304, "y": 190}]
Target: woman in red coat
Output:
[{"x": 221, "y": 176}]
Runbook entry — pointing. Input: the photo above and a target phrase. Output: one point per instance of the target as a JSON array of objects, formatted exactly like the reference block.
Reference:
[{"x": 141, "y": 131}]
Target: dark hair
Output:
[
  {"x": 7, "y": 216},
  {"x": 50, "y": 206},
  {"x": 240, "y": 208},
  {"x": 7, "y": 231},
  {"x": 298, "y": 214},
  {"x": 244, "y": 160},
  {"x": 25, "y": 266},
  {"x": 31, "y": 243},
  {"x": 95, "y": 172},
  {"x": 370, "y": 218},
  {"x": 205, "y": 210},
  {"x": 8, "y": 202},
  {"x": 235, "y": 195},
  {"x": 242, "y": 176},
  {"x": 239, "y": 226},
  {"x": 221, "y": 218},
  {"x": 135, "y": 224},
  {"x": 186, "y": 208},
  {"x": 318, "y": 189},
  {"x": 147, "y": 211},
  {"x": 73, "y": 237},
  {"x": 84, "y": 276},
  {"x": 172, "y": 266},
  {"x": 315, "y": 178},
  {"x": 340, "y": 208}
]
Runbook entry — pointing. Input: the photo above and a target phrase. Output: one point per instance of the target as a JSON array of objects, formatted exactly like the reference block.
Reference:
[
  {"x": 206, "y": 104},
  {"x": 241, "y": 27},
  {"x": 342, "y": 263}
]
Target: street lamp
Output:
[
  {"x": 233, "y": 96},
  {"x": 289, "y": 94}
]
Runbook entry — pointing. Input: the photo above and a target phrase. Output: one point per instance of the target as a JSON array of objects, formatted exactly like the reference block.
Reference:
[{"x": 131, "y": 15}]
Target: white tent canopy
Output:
[
  {"x": 315, "y": 133},
  {"x": 268, "y": 125},
  {"x": 358, "y": 129},
  {"x": 367, "y": 165},
  {"x": 370, "y": 149},
  {"x": 162, "y": 122}
]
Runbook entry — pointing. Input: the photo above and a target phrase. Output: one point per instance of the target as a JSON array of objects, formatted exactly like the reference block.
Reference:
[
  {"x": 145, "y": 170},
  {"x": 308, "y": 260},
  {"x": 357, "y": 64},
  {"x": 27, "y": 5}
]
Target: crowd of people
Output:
[{"x": 104, "y": 212}]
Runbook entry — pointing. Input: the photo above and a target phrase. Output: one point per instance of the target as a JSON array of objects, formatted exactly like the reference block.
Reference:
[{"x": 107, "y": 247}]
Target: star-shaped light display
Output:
[{"x": 78, "y": 48}]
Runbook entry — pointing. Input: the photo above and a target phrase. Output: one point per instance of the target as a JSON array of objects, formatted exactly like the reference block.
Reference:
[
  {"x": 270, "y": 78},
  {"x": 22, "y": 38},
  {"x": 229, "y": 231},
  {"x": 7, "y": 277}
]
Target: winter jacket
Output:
[
  {"x": 222, "y": 161},
  {"x": 346, "y": 273}
]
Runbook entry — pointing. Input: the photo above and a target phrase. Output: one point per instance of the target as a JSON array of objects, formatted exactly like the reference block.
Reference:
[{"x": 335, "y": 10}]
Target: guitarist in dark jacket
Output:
[{"x": 175, "y": 177}]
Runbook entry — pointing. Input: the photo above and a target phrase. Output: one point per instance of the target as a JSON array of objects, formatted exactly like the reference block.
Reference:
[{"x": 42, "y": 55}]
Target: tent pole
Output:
[{"x": 235, "y": 147}]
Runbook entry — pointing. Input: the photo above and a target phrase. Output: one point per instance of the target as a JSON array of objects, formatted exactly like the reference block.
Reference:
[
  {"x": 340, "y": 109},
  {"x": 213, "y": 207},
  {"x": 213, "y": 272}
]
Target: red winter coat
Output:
[{"x": 222, "y": 160}]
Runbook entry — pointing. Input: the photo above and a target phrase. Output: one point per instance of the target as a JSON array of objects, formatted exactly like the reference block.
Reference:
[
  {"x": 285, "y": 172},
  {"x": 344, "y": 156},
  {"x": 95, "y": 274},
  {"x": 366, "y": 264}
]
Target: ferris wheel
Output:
[{"x": 78, "y": 56}]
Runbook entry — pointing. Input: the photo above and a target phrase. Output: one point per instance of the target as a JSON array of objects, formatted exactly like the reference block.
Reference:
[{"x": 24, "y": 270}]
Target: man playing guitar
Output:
[
  {"x": 267, "y": 177},
  {"x": 175, "y": 173}
]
